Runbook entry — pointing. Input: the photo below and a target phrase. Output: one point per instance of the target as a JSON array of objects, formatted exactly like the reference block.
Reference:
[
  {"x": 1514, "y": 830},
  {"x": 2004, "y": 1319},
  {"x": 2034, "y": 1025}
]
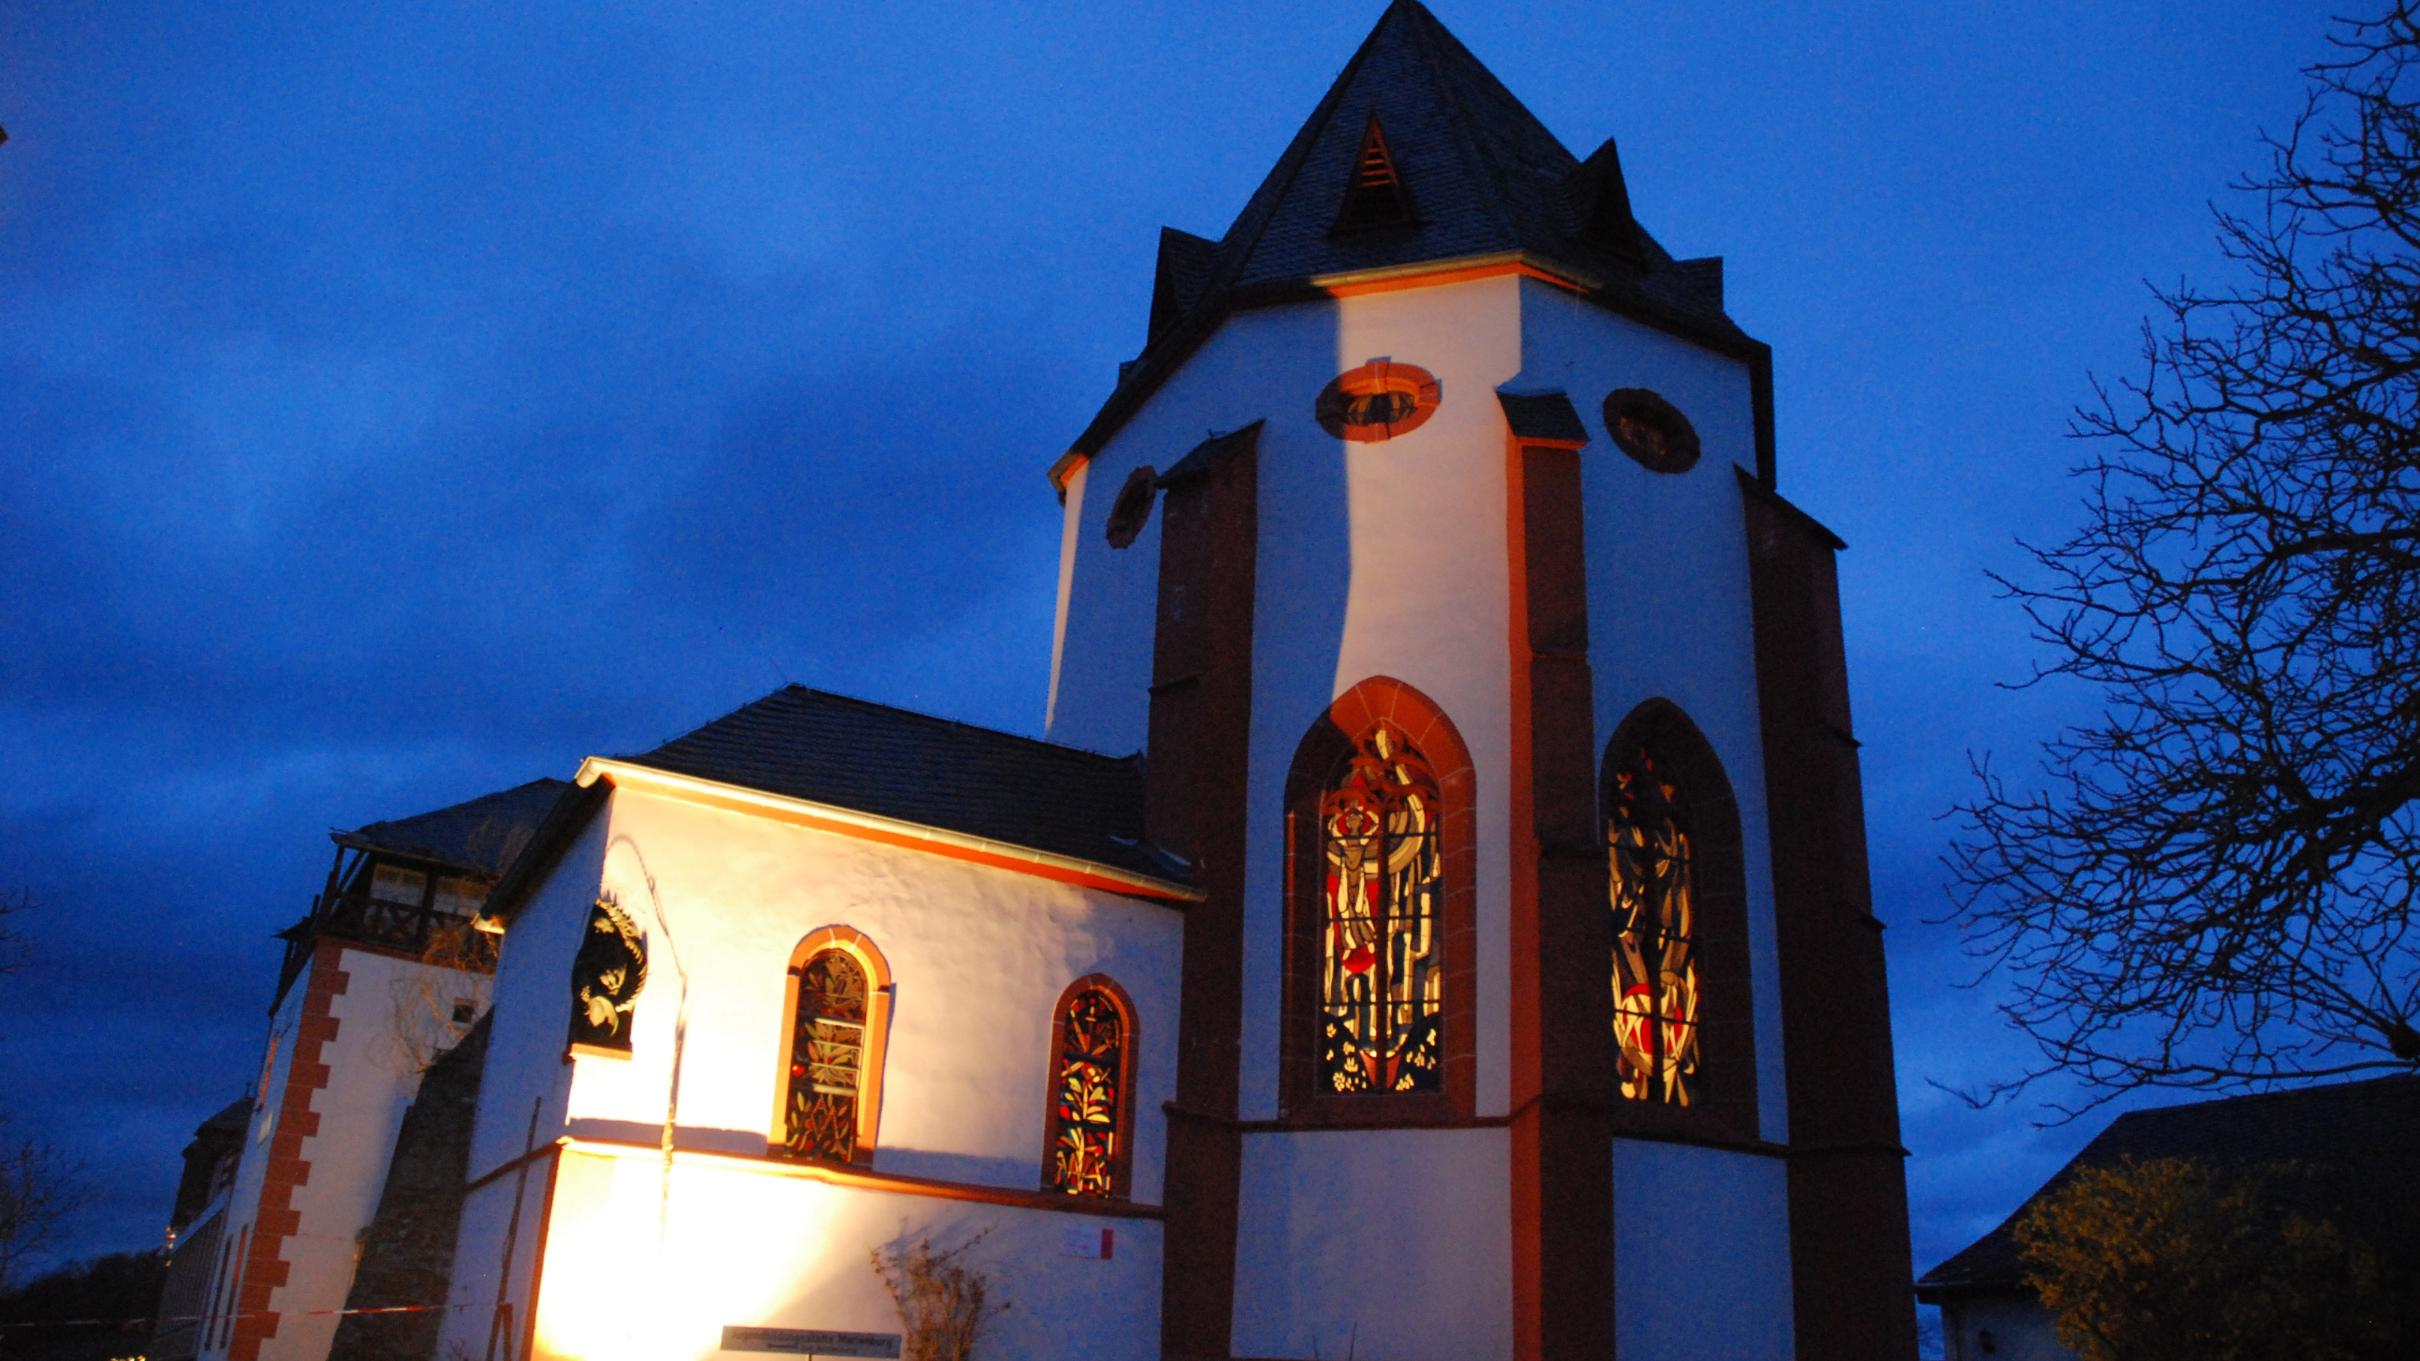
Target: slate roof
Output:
[
  {"x": 2362, "y": 1140},
  {"x": 1485, "y": 179},
  {"x": 473, "y": 835},
  {"x": 896, "y": 763}
]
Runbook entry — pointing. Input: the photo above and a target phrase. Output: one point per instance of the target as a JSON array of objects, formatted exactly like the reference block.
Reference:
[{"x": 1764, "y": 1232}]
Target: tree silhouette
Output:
[{"x": 2213, "y": 884}]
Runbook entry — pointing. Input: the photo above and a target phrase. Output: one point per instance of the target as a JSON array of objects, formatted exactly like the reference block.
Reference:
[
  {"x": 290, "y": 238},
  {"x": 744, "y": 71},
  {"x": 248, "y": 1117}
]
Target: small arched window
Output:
[
  {"x": 1089, "y": 1143},
  {"x": 832, "y": 1055},
  {"x": 1683, "y": 1030}
]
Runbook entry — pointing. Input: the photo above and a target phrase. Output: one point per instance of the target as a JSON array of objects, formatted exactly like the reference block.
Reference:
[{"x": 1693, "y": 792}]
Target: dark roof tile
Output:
[
  {"x": 479, "y": 834},
  {"x": 912, "y": 767},
  {"x": 1484, "y": 177},
  {"x": 2361, "y": 1141}
]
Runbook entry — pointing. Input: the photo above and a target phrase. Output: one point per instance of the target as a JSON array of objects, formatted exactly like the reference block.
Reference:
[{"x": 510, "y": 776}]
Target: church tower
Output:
[{"x": 1432, "y": 551}]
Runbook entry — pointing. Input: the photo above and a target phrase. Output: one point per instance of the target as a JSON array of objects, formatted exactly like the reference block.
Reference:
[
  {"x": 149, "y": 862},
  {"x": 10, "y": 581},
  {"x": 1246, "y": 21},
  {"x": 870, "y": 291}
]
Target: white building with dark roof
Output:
[
  {"x": 2352, "y": 1150},
  {"x": 1465, "y": 950}
]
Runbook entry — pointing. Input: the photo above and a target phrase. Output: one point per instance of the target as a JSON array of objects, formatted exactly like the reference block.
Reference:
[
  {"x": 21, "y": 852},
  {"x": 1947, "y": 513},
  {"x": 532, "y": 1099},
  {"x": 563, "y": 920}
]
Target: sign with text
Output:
[{"x": 809, "y": 1342}]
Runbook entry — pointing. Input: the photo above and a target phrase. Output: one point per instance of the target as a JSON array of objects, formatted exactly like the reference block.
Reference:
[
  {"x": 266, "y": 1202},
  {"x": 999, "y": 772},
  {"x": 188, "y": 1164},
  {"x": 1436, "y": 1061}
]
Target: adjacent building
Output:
[{"x": 2350, "y": 1155}]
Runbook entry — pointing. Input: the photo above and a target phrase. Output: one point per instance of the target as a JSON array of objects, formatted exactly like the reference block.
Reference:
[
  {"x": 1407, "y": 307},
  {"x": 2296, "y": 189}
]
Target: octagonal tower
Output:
[{"x": 1432, "y": 551}]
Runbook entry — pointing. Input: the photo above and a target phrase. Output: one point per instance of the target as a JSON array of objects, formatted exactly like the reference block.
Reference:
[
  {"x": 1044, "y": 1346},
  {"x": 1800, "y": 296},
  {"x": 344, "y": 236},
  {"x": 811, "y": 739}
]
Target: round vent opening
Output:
[
  {"x": 1378, "y": 401},
  {"x": 1133, "y": 506},
  {"x": 1651, "y": 430}
]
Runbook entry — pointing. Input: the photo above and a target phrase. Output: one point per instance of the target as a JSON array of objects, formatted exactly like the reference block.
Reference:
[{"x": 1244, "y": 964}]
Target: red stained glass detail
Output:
[
  {"x": 1655, "y": 983},
  {"x": 1087, "y": 1098},
  {"x": 1382, "y": 971}
]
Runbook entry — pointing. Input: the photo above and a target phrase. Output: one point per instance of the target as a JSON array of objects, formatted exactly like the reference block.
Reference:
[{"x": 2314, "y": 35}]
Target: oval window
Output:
[
  {"x": 1133, "y": 506},
  {"x": 1651, "y": 430},
  {"x": 1378, "y": 401}
]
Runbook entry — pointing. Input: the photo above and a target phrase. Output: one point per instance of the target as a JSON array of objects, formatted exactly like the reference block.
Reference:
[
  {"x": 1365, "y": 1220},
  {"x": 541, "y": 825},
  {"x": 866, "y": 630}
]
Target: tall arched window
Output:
[
  {"x": 1683, "y": 1030},
  {"x": 1089, "y": 1144},
  {"x": 832, "y": 1054},
  {"x": 1382, "y": 892},
  {"x": 1655, "y": 981},
  {"x": 1379, "y": 856}
]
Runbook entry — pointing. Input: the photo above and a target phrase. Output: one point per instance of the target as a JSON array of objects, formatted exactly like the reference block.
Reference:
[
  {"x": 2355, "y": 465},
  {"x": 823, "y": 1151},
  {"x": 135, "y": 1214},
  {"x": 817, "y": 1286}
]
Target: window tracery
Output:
[
  {"x": 1090, "y": 1097},
  {"x": 1382, "y": 978},
  {"x": 1648, "y": 840},
  {"x": 827, "y": 1058}
]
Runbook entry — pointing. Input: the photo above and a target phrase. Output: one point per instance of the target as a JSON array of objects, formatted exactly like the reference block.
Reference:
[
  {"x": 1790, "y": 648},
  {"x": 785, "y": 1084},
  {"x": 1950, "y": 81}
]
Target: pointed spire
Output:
[
  {"x": 1374, "y": 195},
  {"x": 1183, "y": 272},
  {"x": 1600, "y": 203}
]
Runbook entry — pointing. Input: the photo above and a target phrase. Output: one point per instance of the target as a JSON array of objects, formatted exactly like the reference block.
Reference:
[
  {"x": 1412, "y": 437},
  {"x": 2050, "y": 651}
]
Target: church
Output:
[{"x": 1434, "y": 924}]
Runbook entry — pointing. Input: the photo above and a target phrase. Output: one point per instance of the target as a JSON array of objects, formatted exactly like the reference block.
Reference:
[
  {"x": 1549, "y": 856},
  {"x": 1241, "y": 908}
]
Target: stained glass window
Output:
[
  {"x": 1382, "y": 968},
  {"x": 1088, "y": 1099},
  {"x": 827, "y": 1055},
  {"x": 1655, "y": 995}
]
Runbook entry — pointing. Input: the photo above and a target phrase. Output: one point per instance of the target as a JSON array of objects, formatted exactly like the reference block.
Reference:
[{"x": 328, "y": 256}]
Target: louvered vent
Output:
[{"x": 1374, "y": 198}]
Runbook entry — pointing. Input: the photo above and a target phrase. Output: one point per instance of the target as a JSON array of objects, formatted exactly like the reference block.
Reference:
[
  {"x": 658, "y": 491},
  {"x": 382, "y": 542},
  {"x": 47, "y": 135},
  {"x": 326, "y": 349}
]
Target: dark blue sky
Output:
[{"x": 402, "y": 401}]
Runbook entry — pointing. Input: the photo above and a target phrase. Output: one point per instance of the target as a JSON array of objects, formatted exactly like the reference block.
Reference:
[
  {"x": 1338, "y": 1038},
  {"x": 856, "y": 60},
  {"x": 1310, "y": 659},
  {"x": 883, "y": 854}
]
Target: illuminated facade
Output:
[{"x": 1474, "y": 960}]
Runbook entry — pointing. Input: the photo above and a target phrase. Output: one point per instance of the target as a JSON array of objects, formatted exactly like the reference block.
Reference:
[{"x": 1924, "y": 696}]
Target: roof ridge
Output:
[
  {"x": 921, "y": 715},
  {"x": 455, "y": 806},
  {"x": 2273, "y": 1094}
]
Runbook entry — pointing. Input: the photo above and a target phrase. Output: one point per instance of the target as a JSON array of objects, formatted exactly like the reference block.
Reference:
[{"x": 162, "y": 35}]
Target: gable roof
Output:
[
  {"x": 2362, "y": 1138},
  {"x": 1485, "y": 180},
  {"x": 478, "y": 834},
  {"x": 936, "y": 772}
]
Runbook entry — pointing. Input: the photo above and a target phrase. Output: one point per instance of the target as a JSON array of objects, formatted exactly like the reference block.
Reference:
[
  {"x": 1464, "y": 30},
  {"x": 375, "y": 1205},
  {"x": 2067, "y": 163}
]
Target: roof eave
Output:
[
  {"x": 562, "y": 825},
  {"x": 354, "y": 841},
  {"x": 598, "y": 771},
  {"x": 1161, "y": 361}
]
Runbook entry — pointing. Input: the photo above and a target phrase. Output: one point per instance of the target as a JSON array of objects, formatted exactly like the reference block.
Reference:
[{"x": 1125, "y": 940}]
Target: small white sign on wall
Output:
[{"x": 1088, "y": 1240}]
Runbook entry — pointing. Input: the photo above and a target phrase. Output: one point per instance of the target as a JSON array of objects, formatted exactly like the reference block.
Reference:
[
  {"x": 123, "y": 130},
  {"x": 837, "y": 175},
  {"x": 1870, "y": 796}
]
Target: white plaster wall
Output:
[
  {"x": 529, "y": 1021},
  {"x": 1071, "y": 528},
  {"x": 472, "y": 1290},
  {"x": 1668, "y": 608},
  {"x": 1385, "y": 559},
  {"x": 2021, "y": 1330},
  {"x": 979, "y": 957},
  {"x": 739, "y": 1245},
  {"x": 385, "y": 1029},
  {"x": 1264, "y": 364},
  {"x": 1701, "y": 1259},
  {"x": 252, "y": 1164},
  {"x": 1394, "y": 1245}
]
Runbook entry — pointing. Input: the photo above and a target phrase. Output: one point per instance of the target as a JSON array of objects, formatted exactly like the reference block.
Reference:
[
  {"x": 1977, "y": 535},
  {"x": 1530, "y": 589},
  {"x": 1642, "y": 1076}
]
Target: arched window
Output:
[
  {"x": 1088, "y": 1146},
  {"x": 1647, "y": 851},
  {"x": 1382, "y": 891},
  {"x": 1683, "y": 1031},
  {"x": 1378, "y": 991},
  {"x": 832, "y": 1055}
]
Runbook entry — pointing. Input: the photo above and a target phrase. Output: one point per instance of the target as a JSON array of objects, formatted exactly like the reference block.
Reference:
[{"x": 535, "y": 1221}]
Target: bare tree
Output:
[
  {"x": 39, "y": 1187},
  {"x": 38, "y": 1184},
  {"x": 2212, "y": 884}
]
